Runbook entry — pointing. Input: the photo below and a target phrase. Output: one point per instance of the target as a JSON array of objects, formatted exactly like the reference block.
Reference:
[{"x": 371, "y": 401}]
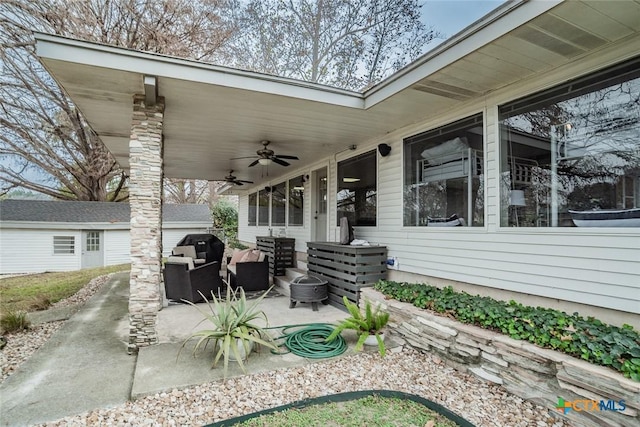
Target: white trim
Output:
[
  {"x": 498, "y": 23},
  {"x": 93, "y": 54},
  {"x": 494, "y": 25},
  {"x": 94, "y": 225}
]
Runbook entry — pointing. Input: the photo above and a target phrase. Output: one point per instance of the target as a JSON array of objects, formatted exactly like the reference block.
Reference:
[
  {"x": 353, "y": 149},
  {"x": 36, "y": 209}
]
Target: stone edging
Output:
[{"x": 524, "y": 369}]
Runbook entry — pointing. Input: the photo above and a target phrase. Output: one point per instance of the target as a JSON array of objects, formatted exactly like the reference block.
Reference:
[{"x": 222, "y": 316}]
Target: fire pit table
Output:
[{"x": 309, "y": 289}]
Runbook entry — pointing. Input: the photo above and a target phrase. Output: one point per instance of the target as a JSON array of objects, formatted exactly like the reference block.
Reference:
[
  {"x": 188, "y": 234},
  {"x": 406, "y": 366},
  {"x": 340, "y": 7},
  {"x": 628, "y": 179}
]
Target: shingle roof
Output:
[{"x": 87, "y": 212}]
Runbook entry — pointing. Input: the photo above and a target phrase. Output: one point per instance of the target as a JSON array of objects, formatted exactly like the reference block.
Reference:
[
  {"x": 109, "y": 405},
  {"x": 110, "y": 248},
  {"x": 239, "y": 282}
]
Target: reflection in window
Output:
[
  {"x": 263, "y": 207},
  {"x": 444, "y": 177},
  {"x": 296, "y": 201},
  {"x": 252, "y": 212},
  {"x": 278, "y": 204},
  {"x": 571, "y": 154},
  {"x": 357, "y": 189}
]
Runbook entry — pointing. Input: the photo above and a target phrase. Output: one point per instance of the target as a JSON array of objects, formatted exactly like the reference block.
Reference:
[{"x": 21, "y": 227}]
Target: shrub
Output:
[
  {"x": 588, "y": 339},
  {"x": 39, "y": 302},
  {"x": 14, "y": 321}
]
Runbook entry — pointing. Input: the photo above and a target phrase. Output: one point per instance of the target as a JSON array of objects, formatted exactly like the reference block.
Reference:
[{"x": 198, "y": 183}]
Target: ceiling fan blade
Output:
[
  {"x": 246, "y": 182},
  {"x": 282, "y": 156},
  {"x": 254, "y": 163},
  {"x": 238, "y": 182},
  {"x": 280, "y": 162},
  {"x": 240, "y": 158}
]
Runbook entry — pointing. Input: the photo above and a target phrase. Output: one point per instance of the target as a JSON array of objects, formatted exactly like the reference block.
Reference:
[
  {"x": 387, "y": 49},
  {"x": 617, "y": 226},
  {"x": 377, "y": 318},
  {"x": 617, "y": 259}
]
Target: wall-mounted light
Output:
[
  {"x": 264, "y": 162},
  {"x": 305, "y": 178},
  {"x": 268, "y": 189},
  {"x": 384, "y": 149}
]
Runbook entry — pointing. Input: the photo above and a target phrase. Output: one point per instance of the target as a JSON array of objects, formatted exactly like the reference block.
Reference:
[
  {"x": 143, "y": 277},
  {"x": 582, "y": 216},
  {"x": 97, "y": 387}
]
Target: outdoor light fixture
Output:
[
  {"x": 264, "y": 162},
  {"x": 384, "y": 149}
]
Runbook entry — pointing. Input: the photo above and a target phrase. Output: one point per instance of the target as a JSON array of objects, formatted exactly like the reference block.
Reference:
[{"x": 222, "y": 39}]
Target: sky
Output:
[{"x": 451, "y": 16}]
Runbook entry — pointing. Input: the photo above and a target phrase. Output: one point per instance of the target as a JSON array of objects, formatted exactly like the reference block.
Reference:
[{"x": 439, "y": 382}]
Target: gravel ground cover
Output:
[{"x": 405, "y": 370}]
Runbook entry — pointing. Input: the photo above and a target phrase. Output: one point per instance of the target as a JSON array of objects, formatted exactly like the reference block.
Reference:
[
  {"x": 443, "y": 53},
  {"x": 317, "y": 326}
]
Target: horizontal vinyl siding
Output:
[
  {"x": 117, "y": 244},
  {"x": 597, "y": 267},
  {"x": 31, "y": 251},
  {"x": 171, "y": 237}
]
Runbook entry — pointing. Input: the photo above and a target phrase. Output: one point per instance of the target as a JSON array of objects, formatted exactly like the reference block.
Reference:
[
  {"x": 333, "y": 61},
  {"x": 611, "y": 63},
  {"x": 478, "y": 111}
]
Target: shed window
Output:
[{"x": 64, "y": 245}]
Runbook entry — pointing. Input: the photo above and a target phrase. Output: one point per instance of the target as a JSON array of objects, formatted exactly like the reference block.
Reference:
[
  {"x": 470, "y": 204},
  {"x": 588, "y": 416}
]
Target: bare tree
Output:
[
  {"x": 45, "y": 144},
  {"x": 351, "y": 44},
  {"x": 186, "y": 191}
]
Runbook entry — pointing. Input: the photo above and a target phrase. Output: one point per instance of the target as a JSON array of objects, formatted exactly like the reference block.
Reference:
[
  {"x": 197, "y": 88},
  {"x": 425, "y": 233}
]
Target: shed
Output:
[{"x": 46, "y": 235}]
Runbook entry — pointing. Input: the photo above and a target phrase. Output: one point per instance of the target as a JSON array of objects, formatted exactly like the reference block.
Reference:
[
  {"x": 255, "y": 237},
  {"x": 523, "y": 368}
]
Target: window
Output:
[
  {"x": 357, "y": 189},
  {"x": 296, "y": 201},
  {"x": 64, "y": 245},
  {"x": 253, "y": 206},
  {"x": 570, "y": 155},
  {"x": 263, "y": 207},
  {"x": 444, "y": 176},
  {"x": 93, "y": 241},
  {"x": 278, "y": 204}
]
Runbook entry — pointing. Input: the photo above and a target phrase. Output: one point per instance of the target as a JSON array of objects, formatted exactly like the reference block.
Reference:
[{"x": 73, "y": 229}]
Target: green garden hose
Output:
[{"x": 308, "y": 340}]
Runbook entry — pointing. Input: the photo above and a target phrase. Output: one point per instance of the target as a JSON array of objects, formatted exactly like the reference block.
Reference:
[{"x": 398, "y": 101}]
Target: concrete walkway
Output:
[{"x": 85, "y": 365}]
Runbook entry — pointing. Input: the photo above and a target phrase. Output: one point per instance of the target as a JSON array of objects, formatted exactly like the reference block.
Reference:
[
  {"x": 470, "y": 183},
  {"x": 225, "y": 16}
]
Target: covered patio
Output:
[{"x": 168, "y": 117}]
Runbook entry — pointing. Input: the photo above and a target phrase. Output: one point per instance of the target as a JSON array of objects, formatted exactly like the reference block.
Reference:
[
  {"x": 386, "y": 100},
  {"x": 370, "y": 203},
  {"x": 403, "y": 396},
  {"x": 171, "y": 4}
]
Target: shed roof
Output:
[{"x": 89, "y": 212}]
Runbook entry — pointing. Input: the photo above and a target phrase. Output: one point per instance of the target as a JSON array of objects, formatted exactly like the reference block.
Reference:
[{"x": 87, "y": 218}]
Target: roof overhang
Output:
[{"x": 214, "y": 114}]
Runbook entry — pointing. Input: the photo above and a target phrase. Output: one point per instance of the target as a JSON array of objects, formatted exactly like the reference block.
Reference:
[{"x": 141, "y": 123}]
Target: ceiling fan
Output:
[
  {"x": 233, "y": 180},
  {"x": 266, "y": 156}
]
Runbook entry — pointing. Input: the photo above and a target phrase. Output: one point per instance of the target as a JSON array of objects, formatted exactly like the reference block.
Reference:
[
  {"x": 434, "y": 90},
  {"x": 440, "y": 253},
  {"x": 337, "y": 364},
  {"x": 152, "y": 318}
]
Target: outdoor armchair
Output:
[{"x": 183, "y": 280}]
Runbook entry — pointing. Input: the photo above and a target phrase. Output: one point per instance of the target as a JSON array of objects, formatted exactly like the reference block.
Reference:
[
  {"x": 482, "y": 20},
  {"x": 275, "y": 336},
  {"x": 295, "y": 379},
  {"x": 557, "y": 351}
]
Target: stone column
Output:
[{"x": 145, "y": 198}]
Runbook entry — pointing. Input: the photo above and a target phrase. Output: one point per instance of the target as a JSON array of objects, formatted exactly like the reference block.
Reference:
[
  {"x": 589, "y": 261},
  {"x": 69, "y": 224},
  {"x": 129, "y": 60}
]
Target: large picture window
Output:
[
  {"x": 278, "y": 204},
  {"x": 444, "y": 176},
  {"x": 358, "y": 189},
  {"x": 296, "y": 201},
  {"x": 570, "y": 156},
  {"x": 253, "y": 209}
]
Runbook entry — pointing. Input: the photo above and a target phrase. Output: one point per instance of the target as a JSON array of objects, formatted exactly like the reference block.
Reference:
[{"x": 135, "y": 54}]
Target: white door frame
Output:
[{"x": 319, "y": 204}]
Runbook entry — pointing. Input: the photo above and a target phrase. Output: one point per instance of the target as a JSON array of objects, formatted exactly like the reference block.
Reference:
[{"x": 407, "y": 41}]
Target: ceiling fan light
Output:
[{"x": 264, "y": 162}]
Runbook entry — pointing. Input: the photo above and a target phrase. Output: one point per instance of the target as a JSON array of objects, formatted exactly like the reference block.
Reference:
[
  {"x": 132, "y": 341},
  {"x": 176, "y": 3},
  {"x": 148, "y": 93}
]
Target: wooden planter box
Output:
[
  {"x": 281, "y": 252},
  {"x": 346, "y": 268}
]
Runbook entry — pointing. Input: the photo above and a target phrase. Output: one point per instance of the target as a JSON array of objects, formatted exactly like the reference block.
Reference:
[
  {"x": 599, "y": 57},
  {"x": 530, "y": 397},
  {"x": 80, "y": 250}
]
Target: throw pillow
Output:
[
  {"x": 237, "y": 256},
  {"x": 251, "y": 256}
]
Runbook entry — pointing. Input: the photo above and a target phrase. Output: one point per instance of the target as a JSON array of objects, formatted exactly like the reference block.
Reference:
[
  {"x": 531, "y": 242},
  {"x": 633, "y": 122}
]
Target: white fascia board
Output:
[
  {"x": 28, "y": 225},
  {"x": 98, "y": 55},
  {"x": 495, "y": 25},
  {"x": 186, "y": 224}
]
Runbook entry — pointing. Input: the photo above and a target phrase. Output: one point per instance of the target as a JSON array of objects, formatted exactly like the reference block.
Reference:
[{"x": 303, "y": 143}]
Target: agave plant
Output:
[
  {"x": 234, "y": 327},
  {"x": 369, "y": 323}
]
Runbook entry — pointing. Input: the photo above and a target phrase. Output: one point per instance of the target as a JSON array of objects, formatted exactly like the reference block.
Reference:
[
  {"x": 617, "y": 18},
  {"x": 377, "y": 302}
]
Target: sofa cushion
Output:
[
  {"x": 237, "y": 255},
  {"x": 188, "y": 251},
  {"x": 181, "y": 260},
  {"x": 251, "y": 256}
]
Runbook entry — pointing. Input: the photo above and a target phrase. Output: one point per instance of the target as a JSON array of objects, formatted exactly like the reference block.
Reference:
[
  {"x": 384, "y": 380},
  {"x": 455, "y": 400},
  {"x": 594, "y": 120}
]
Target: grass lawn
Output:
[
  {"x": 32, "y": 292},
  {"x": 372, "y": 410}
]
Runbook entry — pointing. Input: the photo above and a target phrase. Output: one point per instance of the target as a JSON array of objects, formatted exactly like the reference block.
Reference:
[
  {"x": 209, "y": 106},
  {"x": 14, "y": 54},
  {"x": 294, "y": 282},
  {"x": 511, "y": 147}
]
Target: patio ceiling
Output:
[{"x": 213, "y": 114}]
